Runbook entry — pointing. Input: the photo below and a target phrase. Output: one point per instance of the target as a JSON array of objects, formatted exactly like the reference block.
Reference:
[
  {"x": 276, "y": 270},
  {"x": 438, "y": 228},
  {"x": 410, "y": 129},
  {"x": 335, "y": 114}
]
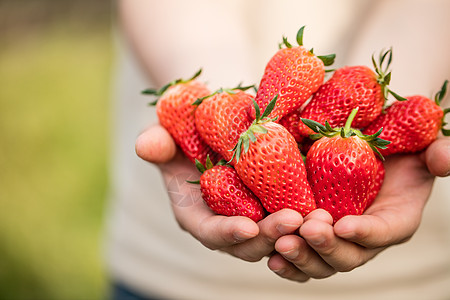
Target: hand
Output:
[
  {"x": 238, "y": 236},
  {"x": 322, "y": 250}
]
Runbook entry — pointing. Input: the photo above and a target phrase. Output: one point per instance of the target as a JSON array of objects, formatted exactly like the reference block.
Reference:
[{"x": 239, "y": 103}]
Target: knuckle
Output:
[{"x": 244, "y": 255}]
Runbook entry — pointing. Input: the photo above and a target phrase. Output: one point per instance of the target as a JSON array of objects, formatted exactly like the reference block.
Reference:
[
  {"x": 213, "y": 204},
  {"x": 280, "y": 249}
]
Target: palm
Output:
[{"x": 313, "y": 246}]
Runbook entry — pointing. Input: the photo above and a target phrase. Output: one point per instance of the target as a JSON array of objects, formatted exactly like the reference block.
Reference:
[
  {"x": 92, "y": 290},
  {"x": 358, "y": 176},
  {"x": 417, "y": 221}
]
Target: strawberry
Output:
[
  {"x": 379, "y": 178},
  {"x": 342, "y": 167},
  {"x": 294, "y": 74},
  {"x": 225, "y": 193},
  {"x": 291, "y": 123},
  {"x": 269, "y": 162},
  {"x": 413, "y": 124},
  {"x": 348, "y": 88},
  {"x": 221, "y": 117},
  {"x": 176, "y": 114}
]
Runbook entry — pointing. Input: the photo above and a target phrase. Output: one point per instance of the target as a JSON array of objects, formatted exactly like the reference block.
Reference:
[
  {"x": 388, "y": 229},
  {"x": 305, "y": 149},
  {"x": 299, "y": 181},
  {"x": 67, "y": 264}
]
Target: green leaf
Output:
[
  {"x": 315, "y": 126},
  {"x": 375, "y": 65},
  {"x": 257, "y": 110},
  {"x": 328, "y": 126},
  {"x": 238, "y": 150},
  {"x": 150, "y": 92},
  {"x": 246, "y": 142},
  {"x": 387, "y": 79},
  {"x": 374, "y": 149},
  {"x": 441, "y": 94},
  {"x": 315, "y": 136},
  {"x": 380, "y": 143},
  {"x": 258, "y": 128},
  {"x": 396, "y": 96},
  {"x": 300, "y": 36},
  {"x": 196, "y": 74},
  {"x": 269, "y": 107},
  {"x": 153, "y": 103},
  {"x": 244, "y": 88},
  {"x": 445, "y": 132},
  {"x": 193, "y": 181},
  {"x": 328, "y": 60},
  {"x": 221, "y": 162},
  {"x": 199, "y": 166},
  {"x": 209, "y": 163},
  {"x": 286, "y": 43},
  {"x": 252, "y": 136}
]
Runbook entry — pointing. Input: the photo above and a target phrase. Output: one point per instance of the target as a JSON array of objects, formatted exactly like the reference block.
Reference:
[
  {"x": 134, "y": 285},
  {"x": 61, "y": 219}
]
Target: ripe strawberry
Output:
[
  {"x": 411, "y": 125},
  {"x": 342, "y": 168},
  {"x": 176, "y": 114},
  {"x": 269, "y": 162},
  {"x": 222, "y": 117},
  {"x": 291, "y": 123},
  {"x": 294, "y": 74},
  {"x": 373, "y": 193},
  {"x": 348, "y": 88},
  {"x": 225, "y": 193}
]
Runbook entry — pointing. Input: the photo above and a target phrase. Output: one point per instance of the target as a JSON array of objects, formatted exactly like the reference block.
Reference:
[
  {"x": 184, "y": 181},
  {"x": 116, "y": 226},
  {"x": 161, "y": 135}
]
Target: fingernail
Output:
[
  {"x": 280, "y": 271},
  {"x": 286, "y": 228},
  {"x": 240, "y": 236},
  {"x": 293, "y": 254},
  {"x": 317, "y": 241}
]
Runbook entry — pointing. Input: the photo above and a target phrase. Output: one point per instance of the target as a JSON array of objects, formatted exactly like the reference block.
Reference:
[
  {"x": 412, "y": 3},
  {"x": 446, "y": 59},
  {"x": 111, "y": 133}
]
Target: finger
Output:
[
  {"x": 155, "y": 145},
  {"x": 214, "y": 231},
  {"x": 437, "y": 157},
  {"x": 283, "y": 268},
  {"x": 295, "y": 250},
  {"x": 340, "y": 254},
  {"x": 271, "y": 228},
  {"x": 374, "y": 231}
]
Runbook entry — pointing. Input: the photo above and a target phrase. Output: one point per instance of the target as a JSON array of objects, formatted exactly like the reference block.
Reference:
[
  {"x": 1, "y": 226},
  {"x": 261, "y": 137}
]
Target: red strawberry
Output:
[
  {"x": 411, "y": 125},
  {"x": 269, "y": 162},
  {"x": 222, "y": 117},
  {"x": 348, "y": 88},
  {"x": 291, "y": 123},
  {"x": 225, "y": 193},
  {"x": 294, "y": 74},
  {"x": 342, "y": 168},
  {"x": 176, "y": 114},
  {"x": 373, "y": 193}
]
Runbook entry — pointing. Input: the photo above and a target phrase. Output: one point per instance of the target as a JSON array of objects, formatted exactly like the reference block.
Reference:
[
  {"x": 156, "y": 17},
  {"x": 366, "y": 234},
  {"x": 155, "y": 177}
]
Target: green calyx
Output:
[
  {"x": 208, "y": 165},
  {"x": 384, "y": 74},
  {"x": 327, "y": 60},
  {"x": 347, "y": 131},
  {"x": 256, "y": 127},
  {"x": 438, "y": 100},
  {"x": 225, "y": 90},
  {"x": 161, "y": 91}
]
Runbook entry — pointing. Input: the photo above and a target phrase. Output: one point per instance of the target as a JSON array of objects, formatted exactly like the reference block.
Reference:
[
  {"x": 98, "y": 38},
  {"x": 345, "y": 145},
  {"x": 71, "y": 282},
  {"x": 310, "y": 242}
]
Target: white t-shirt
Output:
[{"x": 147, "y": 250}]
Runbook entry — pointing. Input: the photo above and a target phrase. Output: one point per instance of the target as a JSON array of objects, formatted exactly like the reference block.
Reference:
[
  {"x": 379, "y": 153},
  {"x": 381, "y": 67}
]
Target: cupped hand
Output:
[
  {"x": 322, "y": 249},
  {"x": 238, "y": 236}
]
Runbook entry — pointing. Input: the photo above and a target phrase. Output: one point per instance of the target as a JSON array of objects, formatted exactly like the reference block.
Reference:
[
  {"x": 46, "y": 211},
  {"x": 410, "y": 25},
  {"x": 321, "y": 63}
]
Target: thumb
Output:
[
  {"x": 437, "y": 157},
  {"x": 155, "y": 145}
]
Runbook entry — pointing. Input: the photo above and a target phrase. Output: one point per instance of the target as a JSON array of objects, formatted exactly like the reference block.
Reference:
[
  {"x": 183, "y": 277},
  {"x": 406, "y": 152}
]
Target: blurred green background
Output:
[{"x": 55, "y": 69}]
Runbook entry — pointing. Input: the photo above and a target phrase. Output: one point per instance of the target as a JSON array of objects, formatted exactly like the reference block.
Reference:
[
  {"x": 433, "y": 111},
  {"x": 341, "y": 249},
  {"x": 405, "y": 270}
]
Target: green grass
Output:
[{"x": 54, "y": 110}]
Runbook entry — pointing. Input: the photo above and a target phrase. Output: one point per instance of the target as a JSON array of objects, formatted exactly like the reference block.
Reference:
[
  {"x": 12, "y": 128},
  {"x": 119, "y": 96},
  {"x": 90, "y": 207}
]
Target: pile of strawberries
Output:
[{"x": 300, "y": 142}]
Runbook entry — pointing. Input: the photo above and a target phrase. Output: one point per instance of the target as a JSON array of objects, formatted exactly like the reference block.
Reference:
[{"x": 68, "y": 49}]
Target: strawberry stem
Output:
[
  {"x": 347, "y": 131},
  {"x": 348, "y": 123}
]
